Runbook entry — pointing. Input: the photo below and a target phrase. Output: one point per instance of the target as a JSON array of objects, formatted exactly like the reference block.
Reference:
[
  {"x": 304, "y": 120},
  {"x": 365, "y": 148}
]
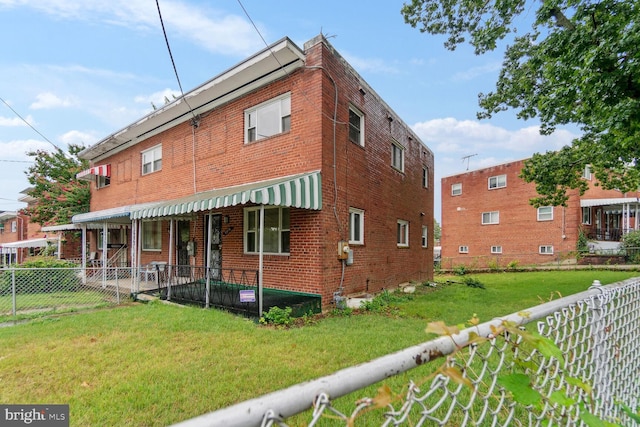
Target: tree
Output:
[
  {"x": 58, "y": 193},
  {"x": 437, "y": 231},
  {"x": 579, "y": 64}
]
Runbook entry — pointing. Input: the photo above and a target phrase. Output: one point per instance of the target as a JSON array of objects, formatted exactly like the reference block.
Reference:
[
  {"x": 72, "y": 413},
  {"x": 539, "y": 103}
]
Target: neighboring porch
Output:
[{"x": 608, "y": 220}]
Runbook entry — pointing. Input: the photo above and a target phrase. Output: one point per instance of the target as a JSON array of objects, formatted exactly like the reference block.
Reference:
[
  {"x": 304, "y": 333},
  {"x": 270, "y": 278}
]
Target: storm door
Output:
[
  {"x": 213, "y": 237},
  {"x": 183, "y": 248}
]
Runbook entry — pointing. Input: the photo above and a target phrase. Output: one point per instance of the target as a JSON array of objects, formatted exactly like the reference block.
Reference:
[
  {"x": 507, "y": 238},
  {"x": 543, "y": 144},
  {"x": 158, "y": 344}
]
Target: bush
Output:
[
  {"x": 277, "y": 316},
  {"x": 40, "y": 275},
  {"x": 631, "y": 245}
]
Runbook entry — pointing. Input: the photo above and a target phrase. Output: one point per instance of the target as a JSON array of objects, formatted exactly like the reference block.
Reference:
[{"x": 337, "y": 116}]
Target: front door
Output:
[
  {"x": 214, "y": 239},
  {"x": 183, "y": 248}
]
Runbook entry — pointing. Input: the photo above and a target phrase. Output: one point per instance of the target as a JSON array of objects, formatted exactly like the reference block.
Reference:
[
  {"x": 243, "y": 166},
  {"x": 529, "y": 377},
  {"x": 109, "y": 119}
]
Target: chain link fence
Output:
[
  {"x": 26, "y": 292},
  {"x": 491, "y": 374}
]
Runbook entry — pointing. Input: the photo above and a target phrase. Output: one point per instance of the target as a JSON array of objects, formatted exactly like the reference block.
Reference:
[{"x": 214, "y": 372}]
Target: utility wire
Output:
[
  {"x": 175, "y": 70},
  {"x": 29, "y": 124}
]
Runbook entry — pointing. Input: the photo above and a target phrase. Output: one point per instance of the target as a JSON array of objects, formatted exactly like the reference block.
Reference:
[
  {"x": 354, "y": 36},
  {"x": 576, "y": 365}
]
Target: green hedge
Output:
[{"x": 41, "y": 275}]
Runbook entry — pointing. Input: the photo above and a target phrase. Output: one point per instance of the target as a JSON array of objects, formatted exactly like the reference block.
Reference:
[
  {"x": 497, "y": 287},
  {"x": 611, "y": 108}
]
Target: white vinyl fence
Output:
[{"x": 485, "y": 376}]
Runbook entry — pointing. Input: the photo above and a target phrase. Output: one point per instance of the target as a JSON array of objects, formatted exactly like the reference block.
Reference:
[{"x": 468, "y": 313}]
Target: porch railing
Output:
[{"x": 597, "y": 332}]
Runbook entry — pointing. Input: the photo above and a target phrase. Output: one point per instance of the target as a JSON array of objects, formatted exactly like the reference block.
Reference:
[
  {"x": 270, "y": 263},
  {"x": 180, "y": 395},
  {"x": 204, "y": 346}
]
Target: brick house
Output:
[
  {"x": 487, "y": 219},
  {"x": 21, "y": 238},
  {"x": 293, "y": 136}
]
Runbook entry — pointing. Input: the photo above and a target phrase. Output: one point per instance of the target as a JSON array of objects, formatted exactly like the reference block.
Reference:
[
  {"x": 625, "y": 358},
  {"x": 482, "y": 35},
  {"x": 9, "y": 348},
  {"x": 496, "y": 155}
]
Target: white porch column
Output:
[
  {"x": 261, "y": 261},
  {"x": 208, "y": 263}
]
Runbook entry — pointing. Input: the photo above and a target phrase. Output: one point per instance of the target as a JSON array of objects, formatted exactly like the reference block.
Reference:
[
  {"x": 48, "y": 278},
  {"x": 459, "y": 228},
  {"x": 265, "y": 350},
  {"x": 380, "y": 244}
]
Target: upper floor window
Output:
[
  {"x": 586, "y": 215},
  {"x": 425, "y": 236},
  {"x": 356, "y": 126},
  {"x": 269, "y": 118},
  {"x": 14, "y": 226},
  {"x": 425, "y": 177},
  {"x": 499, "y": 181},
  {"x": 356, "y": 226},
  {"x": 545, "y": 213},
  {"x": 586, "y": 172},
  {"x": 151, "y": 235},
  {"x": 491, "y": 217},
  {"x": 397, "y": 156},
  {"x": 402, "y": 233},
  {"x": 456, "y": 189},
  {"x": 102, "y": 181},
  {"x": 152, "y": 160},
  {"x": 276, "y": 230}
]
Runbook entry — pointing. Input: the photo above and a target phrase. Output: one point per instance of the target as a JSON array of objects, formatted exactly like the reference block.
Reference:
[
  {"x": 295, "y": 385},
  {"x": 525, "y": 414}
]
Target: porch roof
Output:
[
  {"x": 120, "y": 214},
  {"x": 604, "y": 202},
  {"x": 31, "y": 243},
  {"x": 299, "y": 191}
]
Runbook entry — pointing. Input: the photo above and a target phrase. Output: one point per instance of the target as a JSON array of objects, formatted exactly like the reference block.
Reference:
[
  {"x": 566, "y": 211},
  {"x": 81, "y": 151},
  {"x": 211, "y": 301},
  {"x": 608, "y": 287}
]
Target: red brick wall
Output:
[
  {"x": 519, "y": 232},
  {"x": 365, "y": 180}
]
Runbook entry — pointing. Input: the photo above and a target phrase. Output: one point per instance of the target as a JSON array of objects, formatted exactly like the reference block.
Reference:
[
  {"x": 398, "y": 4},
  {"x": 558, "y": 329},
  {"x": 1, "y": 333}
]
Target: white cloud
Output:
[
  {"x": 48, "y": 100},
  {"x": 17, "y": 149},
  {"x": 15, "y": 121},
  {"x": 373, "y": 65},
  {"x": 78, "y": 138},
  {"x": 475, "y": 72},
  {"x": 214, "y": 31},
  {"x": 157, "y": 98}
]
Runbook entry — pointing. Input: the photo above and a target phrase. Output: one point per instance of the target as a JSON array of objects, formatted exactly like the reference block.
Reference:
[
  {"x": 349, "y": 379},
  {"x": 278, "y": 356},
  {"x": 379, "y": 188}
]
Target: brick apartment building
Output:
[
  {"x": 294, "y": 135},
  {"x": 487, "y": 219}
]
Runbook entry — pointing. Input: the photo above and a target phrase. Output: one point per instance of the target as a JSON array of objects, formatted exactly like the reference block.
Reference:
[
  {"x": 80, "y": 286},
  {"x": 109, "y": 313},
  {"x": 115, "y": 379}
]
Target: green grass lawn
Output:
[{"x": 156, "y": 364}]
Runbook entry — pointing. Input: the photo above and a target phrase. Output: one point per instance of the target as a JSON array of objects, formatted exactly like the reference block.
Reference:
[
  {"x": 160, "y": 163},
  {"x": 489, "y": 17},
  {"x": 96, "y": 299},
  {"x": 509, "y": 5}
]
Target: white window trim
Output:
[
  {"x": 588, "y": 220},
  {"x": 545, "y": 249},
  {"x": 456, "y": 189},
  {"x": 153, "y": 151},
  {"x": 543, "y": 216},
  {"x": 280, "y": 230},
  {"x": 396, "y": 145},
  {"x": 14, "y": 226},
  {"x": 402, "y": 223},
  {"x": 463, "y": 249},
  {"x": 425, "y": 177},
  {"x": 586, "y": 173},
  {"x": 494, "y": 218},
  {"x": 496, "y": 249},
  {"x": 425, "y": 236},
  {"x": 254, "y": 110},
  {"x": 360, "y": 114},
  {"x": 498, "y": 183},
  {"x": 102, "y": 181},
  {"x": 360, "y": 212}
]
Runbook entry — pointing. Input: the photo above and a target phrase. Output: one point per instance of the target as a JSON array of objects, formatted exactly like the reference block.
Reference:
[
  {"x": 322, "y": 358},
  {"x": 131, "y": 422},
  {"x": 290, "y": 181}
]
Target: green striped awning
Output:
[{"x": 298, "y": 191}]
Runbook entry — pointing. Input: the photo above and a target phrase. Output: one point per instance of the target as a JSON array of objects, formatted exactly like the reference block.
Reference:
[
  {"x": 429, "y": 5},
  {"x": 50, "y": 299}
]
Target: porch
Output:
[{"x": 234, "y": 290}]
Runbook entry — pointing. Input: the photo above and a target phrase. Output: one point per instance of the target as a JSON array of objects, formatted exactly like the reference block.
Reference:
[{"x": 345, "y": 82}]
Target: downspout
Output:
[{"x": 261, "y": 261}]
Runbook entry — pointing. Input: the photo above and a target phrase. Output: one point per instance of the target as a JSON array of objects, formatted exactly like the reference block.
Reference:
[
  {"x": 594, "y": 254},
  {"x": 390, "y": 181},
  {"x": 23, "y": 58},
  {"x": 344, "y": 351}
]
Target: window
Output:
[
  {"x": 586, "y": 215},
  {"x": 425, "y": 237},
  {"x": 14, "y": 226},
  {"x": 356, "y": 226},
  {"x": 499, "y": 181},
  {"x": 546, "y": 250},
  {"x": 496, "y": 249},
  {"x": 102, "y": 181},
  {"x": 463, "y": 249},
  {"x": 425, "y": 177},
  {"x": 545, "y": 213},
  {"x": 397, "y": 156},
  {"x": 152, "y": 160},
  {"x": 586, "y": 173},
  {"x": 456, "y": 189},
  {"x": 151, "y": 235},
  {"x": 276, "y": 230},
  {"x": 402, "y": 238},
  {"x": 491, "y": 217},
  {"x": 267, "y": 119},
  {"x": 101, "y": 239},
  {"x": 356, "y": 126}
]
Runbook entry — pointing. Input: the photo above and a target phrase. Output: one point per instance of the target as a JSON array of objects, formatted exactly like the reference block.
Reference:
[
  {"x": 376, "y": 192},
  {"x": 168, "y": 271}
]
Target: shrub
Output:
[
  {"x": 631, "y": 244},
  {"x": 277, "y": 316},
  {"x": 460, "y": 270},
  {"x": 473, "y": 282},
  {"x": 41, "y": 275},
  {"x": 513, "y": 265}
]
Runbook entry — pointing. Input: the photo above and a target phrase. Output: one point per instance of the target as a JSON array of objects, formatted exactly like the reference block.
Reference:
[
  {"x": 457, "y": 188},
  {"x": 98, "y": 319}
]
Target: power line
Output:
[
  {"x": 175, "y": 70},
  {"x": 16, "y": 161},
  {"x": 29, "y": 124}
]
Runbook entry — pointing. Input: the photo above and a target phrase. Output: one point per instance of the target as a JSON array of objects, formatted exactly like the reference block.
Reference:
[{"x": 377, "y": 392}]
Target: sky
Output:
[{"x": 77, "y": 71}]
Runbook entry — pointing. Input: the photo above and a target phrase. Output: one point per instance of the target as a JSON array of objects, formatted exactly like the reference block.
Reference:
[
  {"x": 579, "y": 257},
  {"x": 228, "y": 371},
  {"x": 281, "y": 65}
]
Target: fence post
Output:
[
  {"x": 117, "y": 286},
  {"x": 601, "y": 355},
  {"x": 13, "y": 291}
]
